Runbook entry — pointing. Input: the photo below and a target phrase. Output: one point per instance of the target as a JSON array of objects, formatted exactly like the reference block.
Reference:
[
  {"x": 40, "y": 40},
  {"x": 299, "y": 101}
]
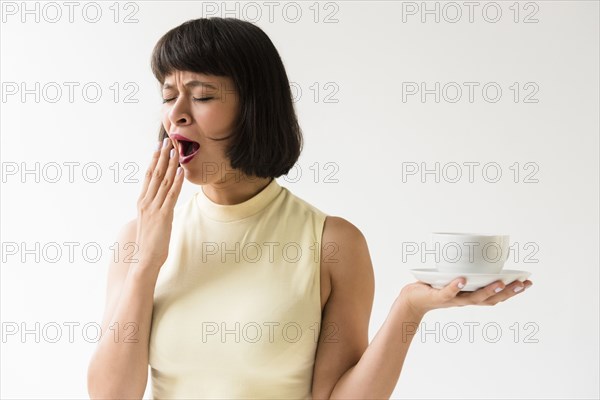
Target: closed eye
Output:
[{"x": 204, "y": 99}]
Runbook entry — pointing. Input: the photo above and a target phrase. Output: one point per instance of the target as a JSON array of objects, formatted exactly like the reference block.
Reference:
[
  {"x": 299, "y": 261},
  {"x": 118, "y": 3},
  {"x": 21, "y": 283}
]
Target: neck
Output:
[{"x": 236, "y": 190}]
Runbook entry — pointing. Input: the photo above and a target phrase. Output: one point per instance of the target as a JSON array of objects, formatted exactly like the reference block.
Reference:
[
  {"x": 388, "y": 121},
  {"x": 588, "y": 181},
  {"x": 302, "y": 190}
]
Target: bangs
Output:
[{"x": 189, "y": 48}]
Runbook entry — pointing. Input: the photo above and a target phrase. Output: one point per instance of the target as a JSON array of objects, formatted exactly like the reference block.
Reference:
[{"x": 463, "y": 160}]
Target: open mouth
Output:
[{"x": 188, "y": 148}]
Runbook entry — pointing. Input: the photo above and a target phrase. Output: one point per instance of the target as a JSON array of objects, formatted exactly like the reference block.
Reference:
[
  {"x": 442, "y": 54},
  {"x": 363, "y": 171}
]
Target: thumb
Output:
[{"x": 453, "y": 288}]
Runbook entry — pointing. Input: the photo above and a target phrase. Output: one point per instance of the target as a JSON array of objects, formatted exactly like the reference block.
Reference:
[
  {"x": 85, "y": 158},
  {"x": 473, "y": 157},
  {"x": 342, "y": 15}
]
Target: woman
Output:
[{"x": 245, "y": 290}]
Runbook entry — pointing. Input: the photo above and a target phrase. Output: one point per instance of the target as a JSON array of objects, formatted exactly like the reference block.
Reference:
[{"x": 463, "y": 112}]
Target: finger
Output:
[
  {"x": 450, "y": 291},
  {"x": 509, "y": 291},
  {"x": 480, "y": 295},
  {"x": 169, "y": 177},
  {"x": 173, "y": 193},
  {"x": 159, "y": 171},
  {"x": 149, "y": 171}
]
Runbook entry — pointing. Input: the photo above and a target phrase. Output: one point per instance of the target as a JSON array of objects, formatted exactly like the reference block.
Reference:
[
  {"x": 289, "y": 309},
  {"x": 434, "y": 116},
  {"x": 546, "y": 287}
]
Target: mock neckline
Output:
[{"x": 234, "y": 212}]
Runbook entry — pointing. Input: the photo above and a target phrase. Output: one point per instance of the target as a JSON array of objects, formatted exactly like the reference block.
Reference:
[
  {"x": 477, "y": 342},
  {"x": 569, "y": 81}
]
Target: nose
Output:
[
  {"x": 183, "y": 120},
  {"x": 179, "y": 114}
]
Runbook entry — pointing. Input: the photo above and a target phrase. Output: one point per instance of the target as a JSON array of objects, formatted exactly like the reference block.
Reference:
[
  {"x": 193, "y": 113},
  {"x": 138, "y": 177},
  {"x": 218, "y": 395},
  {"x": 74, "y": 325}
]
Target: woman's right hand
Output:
[{"x": 162, "y": 185}]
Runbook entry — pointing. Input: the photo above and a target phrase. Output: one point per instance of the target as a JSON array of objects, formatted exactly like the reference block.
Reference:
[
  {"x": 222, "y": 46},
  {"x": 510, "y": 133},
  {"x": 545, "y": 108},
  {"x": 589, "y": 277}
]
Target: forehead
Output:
[{"x": 194, "y": 79}]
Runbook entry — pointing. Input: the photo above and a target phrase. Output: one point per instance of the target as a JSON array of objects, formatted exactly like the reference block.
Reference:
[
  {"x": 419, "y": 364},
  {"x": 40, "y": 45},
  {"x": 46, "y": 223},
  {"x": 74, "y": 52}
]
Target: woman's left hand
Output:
[{"x": 421, "y": 297}]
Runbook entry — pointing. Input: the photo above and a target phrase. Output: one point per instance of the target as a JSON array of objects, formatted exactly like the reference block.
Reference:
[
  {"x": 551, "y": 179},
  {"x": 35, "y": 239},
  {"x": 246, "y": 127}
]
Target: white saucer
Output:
[{"x": 438, "y": 280}]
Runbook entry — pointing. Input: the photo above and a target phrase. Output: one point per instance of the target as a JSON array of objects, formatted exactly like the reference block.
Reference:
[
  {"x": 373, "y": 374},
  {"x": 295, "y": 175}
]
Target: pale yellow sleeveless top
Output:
[{"x": 237, "y": 308}]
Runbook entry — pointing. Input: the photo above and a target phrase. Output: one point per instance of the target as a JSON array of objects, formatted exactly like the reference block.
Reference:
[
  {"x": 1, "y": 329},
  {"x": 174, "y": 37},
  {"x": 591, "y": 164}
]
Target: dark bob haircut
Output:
[{"x": 267, "y": 139}]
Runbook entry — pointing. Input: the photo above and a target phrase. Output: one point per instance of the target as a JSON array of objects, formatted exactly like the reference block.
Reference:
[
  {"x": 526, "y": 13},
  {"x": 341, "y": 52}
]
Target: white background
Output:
[{"x": 368, "y": 133}]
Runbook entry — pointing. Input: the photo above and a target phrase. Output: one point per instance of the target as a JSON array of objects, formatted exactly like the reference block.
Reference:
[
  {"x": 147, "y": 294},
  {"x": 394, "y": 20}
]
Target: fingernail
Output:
[
  {"x": 461, "y": 285},
  {"x": 518, "y": 289},
  {"x": 498, "y": 290},
  {"x": 171, "y": 153},
  {"x": 179, "y": 170},
  {"x": 165, "y": 141}
]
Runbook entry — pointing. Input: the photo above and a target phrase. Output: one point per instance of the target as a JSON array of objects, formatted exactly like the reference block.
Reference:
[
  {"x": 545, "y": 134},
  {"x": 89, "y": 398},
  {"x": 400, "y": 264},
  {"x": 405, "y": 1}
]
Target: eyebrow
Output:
[{"x": 191, "y": 84}]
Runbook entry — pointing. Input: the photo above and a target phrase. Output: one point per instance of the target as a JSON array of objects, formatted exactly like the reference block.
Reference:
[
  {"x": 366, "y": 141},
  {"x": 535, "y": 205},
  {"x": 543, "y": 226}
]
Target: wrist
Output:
[
  {"x": 403, "y": 304},
  {"x": 144, "y": 271}
]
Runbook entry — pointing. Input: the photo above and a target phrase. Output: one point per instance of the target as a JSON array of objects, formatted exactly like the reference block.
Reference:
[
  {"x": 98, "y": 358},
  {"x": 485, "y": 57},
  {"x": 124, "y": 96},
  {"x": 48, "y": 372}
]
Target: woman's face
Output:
[{"x": 203, "y": 108}]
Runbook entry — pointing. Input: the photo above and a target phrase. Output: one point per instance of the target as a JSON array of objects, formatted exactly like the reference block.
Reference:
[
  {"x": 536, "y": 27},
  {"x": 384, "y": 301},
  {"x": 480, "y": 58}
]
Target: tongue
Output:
[{"x": 191, "y": 148}]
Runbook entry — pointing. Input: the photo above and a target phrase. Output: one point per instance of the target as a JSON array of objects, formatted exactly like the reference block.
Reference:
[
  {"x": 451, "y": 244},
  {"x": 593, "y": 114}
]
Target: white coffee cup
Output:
[{"x": 470, "y": 252}]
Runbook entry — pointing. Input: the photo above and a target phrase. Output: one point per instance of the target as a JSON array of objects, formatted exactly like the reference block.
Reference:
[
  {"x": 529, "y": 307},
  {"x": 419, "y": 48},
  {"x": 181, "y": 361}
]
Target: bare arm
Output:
[
  {"x": 119, "y": 367},
  {"x": 345, "y": 320},
  {"x": 376, "y": 374},
  {"x": 348, "y": 368},
  {"x": 346, "y": 365}
]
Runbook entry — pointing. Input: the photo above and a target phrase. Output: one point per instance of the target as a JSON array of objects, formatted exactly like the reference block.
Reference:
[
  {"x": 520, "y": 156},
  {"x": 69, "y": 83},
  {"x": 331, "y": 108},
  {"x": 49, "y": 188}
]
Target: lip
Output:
[{"x": 180, "y": 138}]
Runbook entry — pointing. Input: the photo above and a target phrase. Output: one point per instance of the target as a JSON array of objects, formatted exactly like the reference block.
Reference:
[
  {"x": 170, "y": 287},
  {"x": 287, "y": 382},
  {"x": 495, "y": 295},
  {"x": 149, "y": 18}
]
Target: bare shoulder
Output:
[
  {"x": 347, "y": 311},
  {"x": 338, "y": 228},
  {"x": 345, "y": 252}
]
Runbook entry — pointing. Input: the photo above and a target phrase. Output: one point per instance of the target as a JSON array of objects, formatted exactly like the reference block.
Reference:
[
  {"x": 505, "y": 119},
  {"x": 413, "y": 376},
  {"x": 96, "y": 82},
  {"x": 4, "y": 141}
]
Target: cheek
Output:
[{"x": 217, "y": 120}]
